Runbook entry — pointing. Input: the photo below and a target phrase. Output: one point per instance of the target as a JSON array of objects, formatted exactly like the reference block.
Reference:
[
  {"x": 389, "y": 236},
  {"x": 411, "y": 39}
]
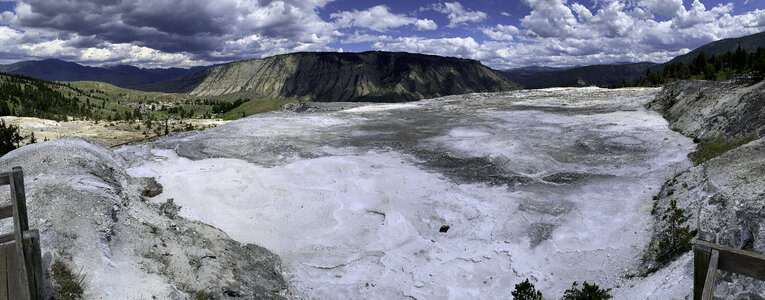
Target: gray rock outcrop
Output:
[
  {"x": 724, "y": 196},
  {"x": 708, "y": 109},
  {"x": 92, "y": 215}
]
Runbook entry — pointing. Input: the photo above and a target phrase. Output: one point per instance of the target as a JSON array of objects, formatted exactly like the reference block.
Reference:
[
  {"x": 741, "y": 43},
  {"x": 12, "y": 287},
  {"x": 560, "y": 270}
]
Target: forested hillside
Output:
[{"x": 703, "y": 66}]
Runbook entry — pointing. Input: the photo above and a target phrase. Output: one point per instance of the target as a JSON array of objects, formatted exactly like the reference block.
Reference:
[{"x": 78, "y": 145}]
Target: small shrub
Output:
[
  {"x": 526, "y": 291},
  {"x": 67, "y": 284},
  {"x": 587, "y": 292}
]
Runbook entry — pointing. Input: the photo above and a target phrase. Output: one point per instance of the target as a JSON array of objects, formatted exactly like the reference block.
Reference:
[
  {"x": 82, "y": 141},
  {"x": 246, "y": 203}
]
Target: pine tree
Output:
[
  {"x": 675, "y": 237},
  {"x": 526, "y": 291},
  {"x": 587, "y": 292}
]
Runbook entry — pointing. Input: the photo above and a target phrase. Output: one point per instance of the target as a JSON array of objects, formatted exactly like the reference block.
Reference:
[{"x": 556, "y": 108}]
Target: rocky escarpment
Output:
[
  {"x": 708, "y": 109},
  {"x": 360, "y": 77},
  {"x": 93, "y": 216},
  {"x": 723, "y": 197}
]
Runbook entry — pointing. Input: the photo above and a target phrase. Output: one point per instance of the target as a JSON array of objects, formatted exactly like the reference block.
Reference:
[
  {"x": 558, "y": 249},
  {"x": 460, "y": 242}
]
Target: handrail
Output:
[{"x": 709, "y": 257}]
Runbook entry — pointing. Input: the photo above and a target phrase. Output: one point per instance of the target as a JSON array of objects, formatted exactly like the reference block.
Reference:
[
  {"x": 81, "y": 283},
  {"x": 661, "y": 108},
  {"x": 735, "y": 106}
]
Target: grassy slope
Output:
[
  {"x": 71, "y": 93},
  {"x": 122, "y": 94},
  {"x": 255, "y": 107}
]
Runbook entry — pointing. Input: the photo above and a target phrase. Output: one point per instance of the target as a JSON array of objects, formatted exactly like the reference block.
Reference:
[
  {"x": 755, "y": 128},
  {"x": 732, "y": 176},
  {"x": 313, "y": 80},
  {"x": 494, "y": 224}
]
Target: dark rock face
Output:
[{"x": 354, "y": 77}]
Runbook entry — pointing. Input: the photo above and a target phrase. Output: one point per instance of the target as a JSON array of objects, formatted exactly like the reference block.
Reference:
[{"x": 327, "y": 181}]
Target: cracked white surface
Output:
[{"x": 365, "y": 224}]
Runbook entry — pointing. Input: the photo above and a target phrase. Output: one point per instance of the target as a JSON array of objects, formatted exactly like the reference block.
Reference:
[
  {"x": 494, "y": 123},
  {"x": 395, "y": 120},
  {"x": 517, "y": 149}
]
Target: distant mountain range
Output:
[
  {"x": 599, "y": 75},
  {"x": 603, "y": 75},
  {"x": 368, "y": 76},
  {"x": 121, "y": 75},
  {"x": 373, "y": 76},
  {"x": 748, "y": 43}
]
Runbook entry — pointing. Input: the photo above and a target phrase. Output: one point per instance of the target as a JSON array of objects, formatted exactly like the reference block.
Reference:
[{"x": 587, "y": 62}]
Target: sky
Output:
[{"x": 501, "y": 34}]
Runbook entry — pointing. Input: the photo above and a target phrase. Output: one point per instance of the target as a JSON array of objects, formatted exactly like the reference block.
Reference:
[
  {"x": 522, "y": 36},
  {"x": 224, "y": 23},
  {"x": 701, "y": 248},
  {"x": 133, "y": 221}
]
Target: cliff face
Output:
[
  {"x": 708, "y": 110},
  {"x": 723, "y": 197},
  {"x": 360, "y": 77}
]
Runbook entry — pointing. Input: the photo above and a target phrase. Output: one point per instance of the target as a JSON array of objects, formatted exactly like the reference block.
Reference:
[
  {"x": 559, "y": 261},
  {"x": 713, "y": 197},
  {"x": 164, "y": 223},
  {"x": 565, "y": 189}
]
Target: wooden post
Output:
[
  {"x": 4, "y": 272},
  {"x": 14, "y": 286},
  {"x": 21, "y": 197},
  {"x": 18, "y": 197},
  {"x": 709, "y": 284},
  {"x": 34, "y": 263},
  {"x": 701, "y": 256}
]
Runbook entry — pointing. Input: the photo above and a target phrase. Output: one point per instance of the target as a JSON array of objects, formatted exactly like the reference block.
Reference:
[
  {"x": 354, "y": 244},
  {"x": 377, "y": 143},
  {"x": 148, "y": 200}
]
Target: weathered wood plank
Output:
[
  {"x": 3, "y": 272},
  {"x": 17, "y": 189},
  {"x": 739, "y": 261},
  {"x": 34, "y": 264},
  {"x": 709, "y": 284},
  {"x": 6, "y": 212},
  {"x": 19, "y": 217},
  {"x": 14, "y": 287},
  {"x": 4, "y": 180},
  {"x": 8, "y": 237},
  {"x": 701, "y": 257}
]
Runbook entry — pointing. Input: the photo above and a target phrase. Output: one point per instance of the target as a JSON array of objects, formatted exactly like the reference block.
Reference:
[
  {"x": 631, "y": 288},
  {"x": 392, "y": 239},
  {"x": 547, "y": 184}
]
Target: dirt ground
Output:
[{"x": 110, "y": 133}]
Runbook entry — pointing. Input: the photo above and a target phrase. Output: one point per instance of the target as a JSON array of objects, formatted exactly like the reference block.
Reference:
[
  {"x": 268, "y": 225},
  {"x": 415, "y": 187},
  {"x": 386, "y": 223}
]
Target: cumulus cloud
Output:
[
  {"x": 549, "y": 18},
  {"x": 557, "y": 33},
  {"x": 457, "y": 14},
  {"x": 668, "y": 8},
  {"x": 378, "y": 18},
  {"x": 699, "y": 14},
  {"x": 425, "y": 24},
  {"x": 582, "y": 13},
  {"x": 459, "y": 47},
  {"x": 501, "y": 32}
]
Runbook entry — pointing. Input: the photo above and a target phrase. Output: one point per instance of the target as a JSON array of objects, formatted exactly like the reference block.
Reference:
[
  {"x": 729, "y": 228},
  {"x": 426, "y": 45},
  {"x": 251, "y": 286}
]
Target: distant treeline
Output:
[
  {"x": 27, "y": 96},
  {"x": 703, "y": 66}
]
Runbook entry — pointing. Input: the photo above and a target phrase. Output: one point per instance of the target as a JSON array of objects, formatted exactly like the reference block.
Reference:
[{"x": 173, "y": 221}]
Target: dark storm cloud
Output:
[
  {"x": 181, "y": 17},
  {"x": 198, "y": 27}
]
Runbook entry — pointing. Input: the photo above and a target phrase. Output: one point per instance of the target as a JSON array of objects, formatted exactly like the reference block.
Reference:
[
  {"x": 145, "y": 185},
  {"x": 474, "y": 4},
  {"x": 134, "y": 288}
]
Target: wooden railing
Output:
[
  {"x": 20, "y": 260},
  {"x": 708, "y": 258}
]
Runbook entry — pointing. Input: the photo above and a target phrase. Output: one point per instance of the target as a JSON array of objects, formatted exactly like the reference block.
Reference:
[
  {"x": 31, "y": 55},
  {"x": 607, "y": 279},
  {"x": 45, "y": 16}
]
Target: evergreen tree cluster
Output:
[
  {"x": 527, "y": 291},
  {"x": 703, "y": 66},
  {"x": 219, "y": 107},
  {"x": 26, "y": 96},
  {"x": 10, "y": 138}
]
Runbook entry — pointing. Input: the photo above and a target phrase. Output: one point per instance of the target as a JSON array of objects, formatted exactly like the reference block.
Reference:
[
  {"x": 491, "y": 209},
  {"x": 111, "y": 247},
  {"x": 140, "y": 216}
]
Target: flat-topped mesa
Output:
[{"x": 359, "y": 77}]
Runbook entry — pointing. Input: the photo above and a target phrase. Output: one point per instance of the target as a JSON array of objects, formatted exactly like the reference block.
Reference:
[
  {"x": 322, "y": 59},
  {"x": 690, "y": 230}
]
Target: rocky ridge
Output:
[
  {"x": 93, "y": 216},
  {"x": 723, "y": 196},
  {"x": 708, "y": 109},
  {"x": 328, "y": 77}
]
